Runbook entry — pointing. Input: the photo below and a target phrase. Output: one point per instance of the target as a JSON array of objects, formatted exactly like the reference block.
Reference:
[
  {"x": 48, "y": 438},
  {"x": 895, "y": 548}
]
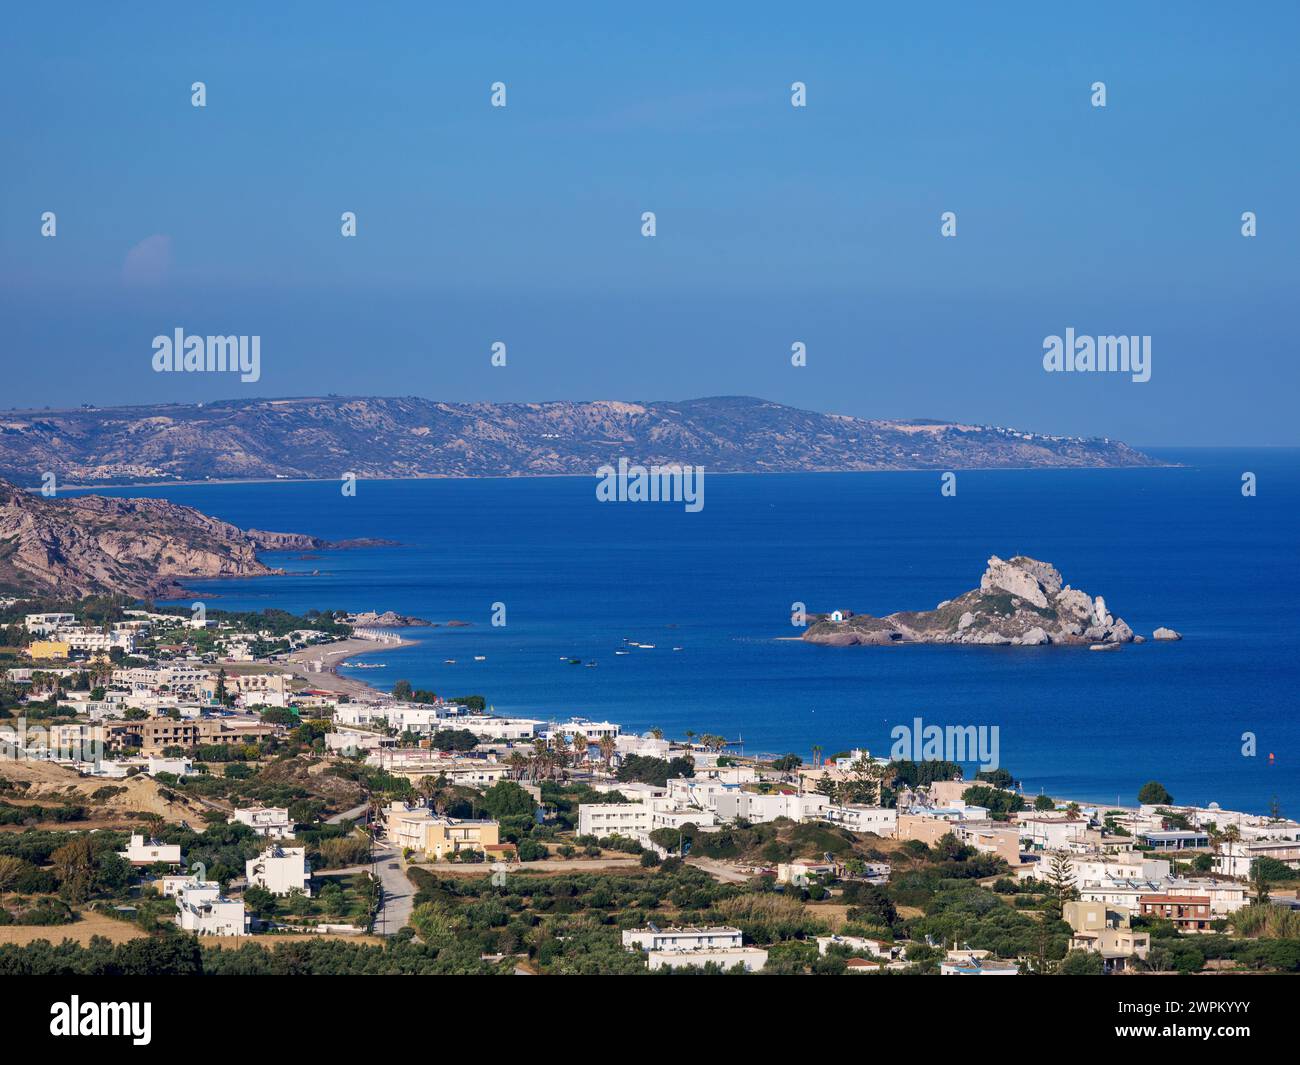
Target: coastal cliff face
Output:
[
  {"x": 325, "y": 437},
  {"x": 141, "y": 547},
  {"x": 1019, "y": 601}
]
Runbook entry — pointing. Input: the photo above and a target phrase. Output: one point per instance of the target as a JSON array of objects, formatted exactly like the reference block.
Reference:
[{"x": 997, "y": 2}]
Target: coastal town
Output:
[{"x": 206, "y": 786}]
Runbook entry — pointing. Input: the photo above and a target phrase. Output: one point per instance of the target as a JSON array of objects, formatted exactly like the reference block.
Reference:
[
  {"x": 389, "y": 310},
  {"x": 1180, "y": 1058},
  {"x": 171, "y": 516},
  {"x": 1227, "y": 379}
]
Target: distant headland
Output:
[{"x": 326, "y": 437}]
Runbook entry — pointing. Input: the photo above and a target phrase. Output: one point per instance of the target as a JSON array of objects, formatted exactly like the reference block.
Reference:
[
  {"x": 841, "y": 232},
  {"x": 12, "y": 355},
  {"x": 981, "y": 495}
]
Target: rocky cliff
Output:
[
  {"x": 1019, "y": 601},
  {"x": 326, "y": 437},
  {"x": 141, "y": 547}
]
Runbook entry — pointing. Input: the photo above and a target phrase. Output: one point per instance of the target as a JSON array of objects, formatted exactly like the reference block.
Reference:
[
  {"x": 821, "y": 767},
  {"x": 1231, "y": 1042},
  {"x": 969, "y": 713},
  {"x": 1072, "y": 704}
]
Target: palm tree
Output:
[
  {"x": 817, "y": 755},
  {"x": 608, "y": 745},
  {"x": 559, "y": 752},
  {"x": 657, "y": 732},
  {"x": 581, "y": 741},
  {"x": 428, "y": 786},
  {"x": 518, "y": 765},
  {"x": 538, "y": 759}
]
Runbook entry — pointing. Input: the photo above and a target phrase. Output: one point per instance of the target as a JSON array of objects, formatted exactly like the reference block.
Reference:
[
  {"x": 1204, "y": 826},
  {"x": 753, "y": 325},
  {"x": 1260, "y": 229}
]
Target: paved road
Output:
[
  {"x": 399, "y": 894},
  {"x": 347, "y": 815}
]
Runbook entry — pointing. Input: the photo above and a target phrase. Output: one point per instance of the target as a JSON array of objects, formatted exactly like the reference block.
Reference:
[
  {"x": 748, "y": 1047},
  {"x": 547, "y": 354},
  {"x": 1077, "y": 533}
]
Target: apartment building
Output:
[
  {"x": 500, "y": 728},
  {"x": 1105, "y": 931},
  {"x": 860, "y": 818},
  {"x": 438, "y": 837},
  {"x": 1189, "y": 913},
  {"x": 270, "y": 821},
  {"x": 1236, "y": 858},
  {"x": 44, "y": 624},
  {"x": 280, "y": 870},
  {"x": 684, "y": 938},
  {"x": 158, "y": 733},
  {"x": 752, "y": 959},
  {"x": 140, "y": 851},
  {"x": 201, "y": 908},
  {"x": 630, "y": 819}
]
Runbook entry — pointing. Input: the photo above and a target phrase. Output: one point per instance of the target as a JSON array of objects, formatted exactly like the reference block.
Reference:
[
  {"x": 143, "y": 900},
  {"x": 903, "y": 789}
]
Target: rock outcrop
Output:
[
  {"x": 1019, "y": 601},
  {"x": 1166, "y": 634},
  {"x": 92, "y": 545}
]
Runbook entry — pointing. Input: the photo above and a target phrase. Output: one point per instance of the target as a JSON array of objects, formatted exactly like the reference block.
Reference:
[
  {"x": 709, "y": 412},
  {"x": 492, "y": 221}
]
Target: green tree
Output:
[
  {"x": 1060, "y": 883},
  {"x": 505, "y": 799},
  {"x": 1154, "y": 793}
]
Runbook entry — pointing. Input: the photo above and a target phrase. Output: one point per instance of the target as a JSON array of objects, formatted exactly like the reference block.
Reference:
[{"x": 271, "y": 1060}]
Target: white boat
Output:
[
  {"x": 1104, "y": 646},
  {"x": 480, "y": 658},
  {"x": 622, "y": 652},
  {"x": 647, "y": 646},
  {"x": 678, "y": 648}
]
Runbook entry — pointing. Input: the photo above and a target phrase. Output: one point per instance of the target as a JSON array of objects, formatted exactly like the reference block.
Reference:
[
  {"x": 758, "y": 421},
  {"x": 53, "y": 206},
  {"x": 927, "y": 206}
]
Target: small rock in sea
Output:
[{"x": 1166, "y": 634}]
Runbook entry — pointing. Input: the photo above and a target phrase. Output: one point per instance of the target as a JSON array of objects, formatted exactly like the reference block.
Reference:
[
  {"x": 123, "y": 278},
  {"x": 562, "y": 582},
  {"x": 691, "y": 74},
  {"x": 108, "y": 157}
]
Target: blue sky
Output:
[{"x": 775, "y": 224}]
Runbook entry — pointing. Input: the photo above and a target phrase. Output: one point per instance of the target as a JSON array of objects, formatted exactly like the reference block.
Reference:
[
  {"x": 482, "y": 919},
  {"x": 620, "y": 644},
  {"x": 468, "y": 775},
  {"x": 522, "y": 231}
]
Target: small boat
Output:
[
  {"x": 592, "y": 665},
  {"x": 575, "y": 661},
  {"x": 480, "y": 658},
  {"x": 678, "y": 648},
  {"x": 647, "y": 647},
  {"x": 1104, "y": 646},
  {"x": 449, "y": 661},
  {"x": 622, "y": 652}
]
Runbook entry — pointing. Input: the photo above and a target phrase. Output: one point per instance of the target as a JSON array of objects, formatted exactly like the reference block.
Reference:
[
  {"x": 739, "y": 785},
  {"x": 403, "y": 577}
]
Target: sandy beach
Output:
[{"x": 330, "y": 656}]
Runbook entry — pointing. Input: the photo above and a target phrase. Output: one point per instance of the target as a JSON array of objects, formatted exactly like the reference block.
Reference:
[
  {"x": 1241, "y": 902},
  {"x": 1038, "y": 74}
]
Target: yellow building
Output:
[
  {"x": 48, "y": 649},
  {"x": 437, "y": 837}
]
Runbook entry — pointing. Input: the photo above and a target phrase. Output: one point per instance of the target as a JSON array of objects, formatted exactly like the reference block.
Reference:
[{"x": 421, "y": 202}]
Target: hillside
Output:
[
  {"x": 141, "y": 547},
  {"x": 412, "y": 437}
]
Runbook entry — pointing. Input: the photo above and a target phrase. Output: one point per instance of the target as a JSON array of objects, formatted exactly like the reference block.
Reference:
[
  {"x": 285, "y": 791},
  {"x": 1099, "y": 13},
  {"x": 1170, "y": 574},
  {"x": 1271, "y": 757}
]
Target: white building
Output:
[
  {"x": 1050, "y": 833},
  {"x": 271, "y": 821},
  {"x": 859, "y": 818},
  {"x": 751, "y": 958},
  {"x": 280, "y": 870},
  {"x": 877, "y": 948},
  {"x": 45, "y": 624},
  {"x": 201, "y": 908},
  {"x": 1236, "y": 858},
  {"x": 593, "y": 730},
  {"x": 94, "y": 641},
  {"x": 500, "y": 728},
  {"x": 685, "y": 938},
  {"x": 760, "y": 809},
  {"x": 631, "y": 819},
  {"x": 150, "y": 852}
]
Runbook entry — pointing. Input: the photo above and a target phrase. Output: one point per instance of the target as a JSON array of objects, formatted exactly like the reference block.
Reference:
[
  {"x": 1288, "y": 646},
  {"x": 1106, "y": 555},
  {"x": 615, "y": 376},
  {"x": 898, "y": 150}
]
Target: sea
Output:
[{"x": 1212, "y": 717}]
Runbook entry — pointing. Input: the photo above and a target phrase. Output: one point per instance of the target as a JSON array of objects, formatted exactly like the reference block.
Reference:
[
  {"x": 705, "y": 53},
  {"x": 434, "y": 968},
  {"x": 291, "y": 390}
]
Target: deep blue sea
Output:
[{"x": 1179, "y": 547}]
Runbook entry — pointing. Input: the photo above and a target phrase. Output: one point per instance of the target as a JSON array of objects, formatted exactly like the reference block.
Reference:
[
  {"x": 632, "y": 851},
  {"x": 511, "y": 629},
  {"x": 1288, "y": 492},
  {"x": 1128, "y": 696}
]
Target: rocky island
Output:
[{"x": 1019, "y": 601}]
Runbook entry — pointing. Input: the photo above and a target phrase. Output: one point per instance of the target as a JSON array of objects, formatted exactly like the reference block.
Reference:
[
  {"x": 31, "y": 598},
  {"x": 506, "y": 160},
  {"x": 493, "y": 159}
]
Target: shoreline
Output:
[
  {"x": 102, "y": 485},
  {"x": 331, "y": 656}
]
